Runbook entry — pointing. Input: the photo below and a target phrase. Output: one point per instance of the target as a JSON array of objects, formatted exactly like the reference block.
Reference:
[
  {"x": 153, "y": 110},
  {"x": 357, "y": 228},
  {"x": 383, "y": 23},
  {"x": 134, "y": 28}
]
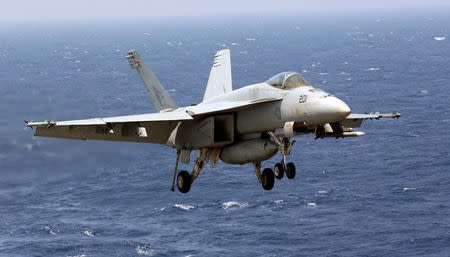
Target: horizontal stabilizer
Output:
[{"x": 160, "y": 98}]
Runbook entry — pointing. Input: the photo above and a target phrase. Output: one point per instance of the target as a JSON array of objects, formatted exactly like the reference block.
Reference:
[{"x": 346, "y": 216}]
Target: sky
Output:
[{"x": 45, "y": 10}]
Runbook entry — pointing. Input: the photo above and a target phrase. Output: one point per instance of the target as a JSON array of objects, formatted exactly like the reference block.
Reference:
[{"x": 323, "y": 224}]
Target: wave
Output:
[
  {"x": 88, "y": 233},
  {"x": 184, "y": 207},
  {"x": 50, "y": 230},
  {"x": 234, "y": 205},
  {"x": 144, "y": 250}
]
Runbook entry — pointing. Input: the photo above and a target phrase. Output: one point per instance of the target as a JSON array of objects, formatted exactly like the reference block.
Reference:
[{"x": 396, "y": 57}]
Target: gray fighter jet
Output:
[{"x": 247, "y": 125}]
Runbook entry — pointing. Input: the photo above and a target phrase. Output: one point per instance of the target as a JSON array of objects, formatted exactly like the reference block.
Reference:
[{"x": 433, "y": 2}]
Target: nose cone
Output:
[
  {"x": 333, "y": 109},
  {"x": 342, "y": 109}
]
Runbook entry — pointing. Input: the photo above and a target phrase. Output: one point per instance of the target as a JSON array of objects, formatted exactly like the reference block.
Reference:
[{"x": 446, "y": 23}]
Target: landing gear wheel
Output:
[
  {"x": 290, "y": 170},
  {"x": 278, "y": 170},
  {"x": 268, "y": 179},
  {"x": 184, "y": 181}
]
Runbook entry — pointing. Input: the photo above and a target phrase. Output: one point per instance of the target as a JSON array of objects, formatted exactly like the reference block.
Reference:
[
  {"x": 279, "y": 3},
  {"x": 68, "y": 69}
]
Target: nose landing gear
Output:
[
  {"x": 279, "y": 170},
  {"x": 285, "y": 147}
]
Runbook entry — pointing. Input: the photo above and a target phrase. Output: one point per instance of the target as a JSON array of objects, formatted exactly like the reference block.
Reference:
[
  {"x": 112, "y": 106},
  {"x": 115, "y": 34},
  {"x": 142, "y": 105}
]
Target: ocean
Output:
[{"x": 384, "y": 194}]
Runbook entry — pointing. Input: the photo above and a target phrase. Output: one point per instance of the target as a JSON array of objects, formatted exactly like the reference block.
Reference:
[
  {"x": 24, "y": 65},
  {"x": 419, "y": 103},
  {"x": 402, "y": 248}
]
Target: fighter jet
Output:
[{"x": 247, "y": 125}]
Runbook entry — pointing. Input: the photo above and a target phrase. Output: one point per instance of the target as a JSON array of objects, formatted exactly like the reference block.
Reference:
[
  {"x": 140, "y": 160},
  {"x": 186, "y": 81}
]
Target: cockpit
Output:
[{"x": 286, "y": 80}]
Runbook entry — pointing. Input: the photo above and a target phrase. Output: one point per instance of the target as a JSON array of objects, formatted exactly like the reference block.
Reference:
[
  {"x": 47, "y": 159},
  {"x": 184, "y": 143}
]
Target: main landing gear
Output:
[
  {"x": 184, "y": 179},
  {"x": 267, "y": 176}
]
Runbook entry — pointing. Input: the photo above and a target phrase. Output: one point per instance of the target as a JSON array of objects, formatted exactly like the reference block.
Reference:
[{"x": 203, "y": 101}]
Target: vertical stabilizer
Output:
[
  {"x": 160, "y": 98},
  {"x": 219, "y": 81}
]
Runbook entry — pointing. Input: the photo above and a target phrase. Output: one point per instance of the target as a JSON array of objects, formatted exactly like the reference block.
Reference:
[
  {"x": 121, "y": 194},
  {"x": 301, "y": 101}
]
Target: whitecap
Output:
[
  {"x": 250, "y": 39},
  {"x": 243, "y": 52},
  {"x": 408, "y": 189},
  {"x": 171, "y": 90},
  {"x": 184, "y": 207},
  {"x": 144, "y": 250},
  {"x": 234, "y": 44},
  {"x": 88, "y": 233},
  {"x": 312, "y": 204},
  {"x": 439, "y": 38},
  {"x": 119, "y": 99},
  {"x": 76, "y": 61},
  {"x": 234, "y": 205},
  {"x": 146, "y": 33},
  {"x": 50, "y": 230},
  {"x": 322, "y": 192},
  {"x": 28, "y": 147},
  {"x": 424, "y": 91},
  {"x": 373, "y": 69},
  {"x": 323, "y": 73},
  {"x": 278, "y": 201}
]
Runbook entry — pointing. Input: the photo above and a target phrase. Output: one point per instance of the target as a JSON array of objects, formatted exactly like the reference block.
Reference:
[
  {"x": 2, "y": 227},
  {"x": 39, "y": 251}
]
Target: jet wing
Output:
[
  {"x": 146, "y": 128},
  {"x": 354, "y": 120}
]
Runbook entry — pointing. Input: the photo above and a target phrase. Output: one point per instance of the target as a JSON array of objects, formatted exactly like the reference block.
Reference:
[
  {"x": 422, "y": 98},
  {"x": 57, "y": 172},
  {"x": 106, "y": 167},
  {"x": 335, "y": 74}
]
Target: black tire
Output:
[
  {"x": 290, "y": 170},
  {"x": 268, "y": 179},
  {"x": 278, "y": 170},
  {"x": 184, "y": 181}
]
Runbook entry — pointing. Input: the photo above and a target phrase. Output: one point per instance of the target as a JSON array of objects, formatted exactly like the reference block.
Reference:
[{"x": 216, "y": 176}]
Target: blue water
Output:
[{"x": 385, "y": 194}]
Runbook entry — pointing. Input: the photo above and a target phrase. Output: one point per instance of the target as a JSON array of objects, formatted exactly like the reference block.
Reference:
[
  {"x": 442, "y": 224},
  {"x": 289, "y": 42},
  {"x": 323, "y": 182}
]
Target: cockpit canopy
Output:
[{"x": 287, "y": 80}]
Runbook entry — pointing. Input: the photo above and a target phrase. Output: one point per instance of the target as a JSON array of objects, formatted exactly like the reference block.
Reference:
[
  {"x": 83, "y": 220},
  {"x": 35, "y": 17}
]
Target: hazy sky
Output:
[{"x": 31, "y": 10}]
